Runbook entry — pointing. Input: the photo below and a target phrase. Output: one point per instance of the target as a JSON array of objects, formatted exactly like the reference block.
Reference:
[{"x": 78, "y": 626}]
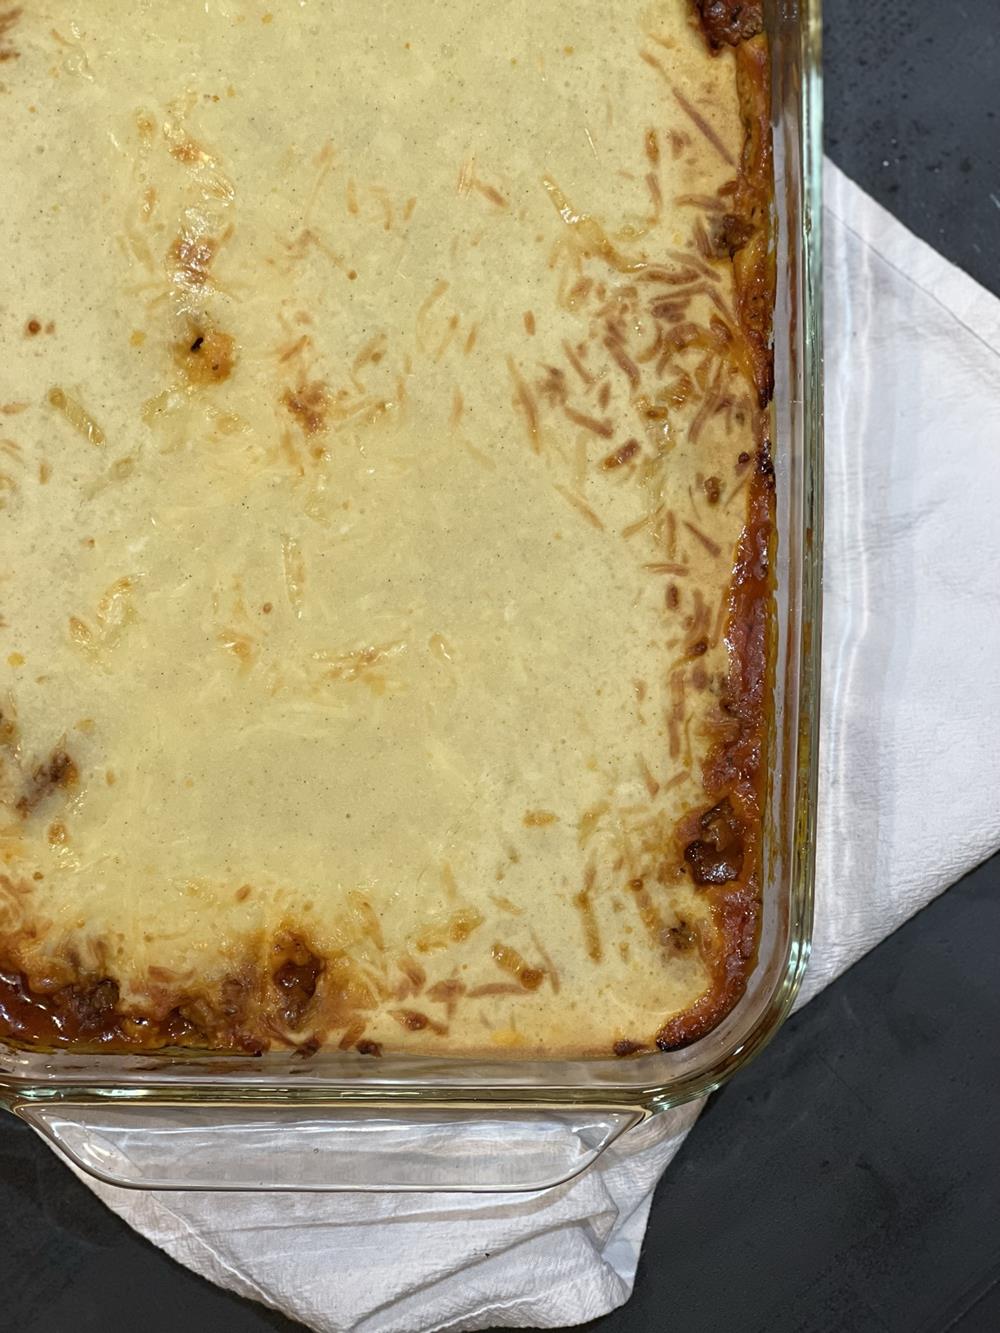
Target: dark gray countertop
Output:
[{"x": 848, "y": 1181}]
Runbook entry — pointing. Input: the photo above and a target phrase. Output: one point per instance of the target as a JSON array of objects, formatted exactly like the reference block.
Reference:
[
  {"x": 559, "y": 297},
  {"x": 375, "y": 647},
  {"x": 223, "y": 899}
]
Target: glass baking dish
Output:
[{"x": 330, "y": 1122}]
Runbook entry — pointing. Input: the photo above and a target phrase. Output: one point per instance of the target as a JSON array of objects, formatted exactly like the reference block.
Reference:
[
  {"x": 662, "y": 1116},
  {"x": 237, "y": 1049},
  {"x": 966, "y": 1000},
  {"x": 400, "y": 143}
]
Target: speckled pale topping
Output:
[{"x": 371, "y": 470}]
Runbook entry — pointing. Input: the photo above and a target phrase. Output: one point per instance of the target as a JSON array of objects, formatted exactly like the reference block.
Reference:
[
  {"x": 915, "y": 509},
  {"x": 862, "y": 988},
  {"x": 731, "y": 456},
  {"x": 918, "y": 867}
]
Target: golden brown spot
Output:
[
  {"x": 587, "y": 824},
  {"x": 359, "y": 663},
  {"x": 413, "y": 972},
  {"x": 453, "y": 931},
  {"x": 505, "y": 904},
  {"x": 192, "y": 255},
  {"x": 448, "y": 993},
  {"x": 591, "y": 932},
  {"x": 57, "y": 834},
  {"x": 581, "y": 506},
  {"x": 727, "y": 235},
  {"x": 57, "y": 773},
  {"x": 655, "y": 194},
  {"x": 624, "y": 362},
  {"x": 716, "y": 856},
  {"x": 267, "y": 608},
  {"x": 146, "y": 126},
  {"x": 490, "y": 192},
  {"x": 77, "y": 416},
  {"x": 702, "y": 125},
  {"x": 530, "y": 978},
  {"x": 15, "y": 659},
  {"x": 680, "y": 390},
  {"x": 602, "y": 428},
  {"x": 350, "y": 1037},
  {"x": 681, "y": 938},
  {"x": 573, "y": 357},
  {"x": 652, "y": 786},
  {"x": 8, "y": 21},
  {"x": 244, "y": 892},
  {"x": 497, "y": 988},
  {"x": 529, "y": 323},
  {"x": 188, "y": 151},
  {"x": 712, "y": 547},
  {"x": 648, "y": 914},
  {"x": 9, "y": 732},
  {"x": 553, "y": 386},
  {"x": 675, "y": 714},
  {"x": 296, "y": 978},
  {"x": 539, "y": 818},
  {"x": 730, "y": 22},
  {"x": 622, "y": 455},
  {"x": 206, "y": 356},
  {"x": 678, "y": 142},
  {"x": 371, "y": 353},
  {"x": 414, "y": 1021},
  {"x": 652, "y": 147},
  {"x": 625, "y": 1047},
  {"x": 309, "y": 405},
  {"x": 79, "y": 631},
  {"x": 463, "y": 924},
  {"x": 32, "y": 328},
  {"x": 242, "y": 647},
  {"x": 524, "y": 400},
  {"x": 44, "y": 473}
]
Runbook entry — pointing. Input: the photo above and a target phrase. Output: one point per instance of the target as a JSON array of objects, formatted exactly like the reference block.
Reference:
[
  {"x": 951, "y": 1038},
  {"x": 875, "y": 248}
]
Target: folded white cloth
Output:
[{"x": 909, "y": 775}]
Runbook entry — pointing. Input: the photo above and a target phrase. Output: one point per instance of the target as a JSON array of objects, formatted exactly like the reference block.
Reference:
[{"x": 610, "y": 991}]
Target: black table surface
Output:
[{"x": 849, "y": 1180}]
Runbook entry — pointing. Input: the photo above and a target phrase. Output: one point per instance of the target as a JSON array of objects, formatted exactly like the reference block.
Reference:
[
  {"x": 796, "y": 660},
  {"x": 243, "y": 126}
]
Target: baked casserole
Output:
[{"x": 387, "y": 519}]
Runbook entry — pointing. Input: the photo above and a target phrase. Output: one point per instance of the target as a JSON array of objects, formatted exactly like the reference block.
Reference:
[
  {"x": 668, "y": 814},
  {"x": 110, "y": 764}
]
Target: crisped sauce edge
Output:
[{"x": 736, "y": 770}]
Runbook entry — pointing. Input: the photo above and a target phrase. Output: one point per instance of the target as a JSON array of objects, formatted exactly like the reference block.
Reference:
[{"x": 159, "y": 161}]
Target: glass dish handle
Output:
[{"x": 168, "y": 1146}]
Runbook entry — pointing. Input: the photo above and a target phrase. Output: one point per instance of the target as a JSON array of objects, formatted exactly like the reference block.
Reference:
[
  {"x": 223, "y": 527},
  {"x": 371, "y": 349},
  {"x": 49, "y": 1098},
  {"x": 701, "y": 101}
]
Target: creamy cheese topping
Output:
[{"x": 373, "y": 466}]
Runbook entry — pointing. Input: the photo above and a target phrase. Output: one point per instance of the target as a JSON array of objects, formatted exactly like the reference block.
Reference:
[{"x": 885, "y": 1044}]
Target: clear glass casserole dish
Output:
[{"x": 280, "y": 1122}]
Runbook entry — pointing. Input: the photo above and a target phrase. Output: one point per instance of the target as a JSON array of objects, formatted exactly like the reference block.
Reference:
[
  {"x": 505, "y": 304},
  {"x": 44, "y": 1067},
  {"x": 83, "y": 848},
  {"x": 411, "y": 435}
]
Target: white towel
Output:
[{"x": 909, "y": 777}]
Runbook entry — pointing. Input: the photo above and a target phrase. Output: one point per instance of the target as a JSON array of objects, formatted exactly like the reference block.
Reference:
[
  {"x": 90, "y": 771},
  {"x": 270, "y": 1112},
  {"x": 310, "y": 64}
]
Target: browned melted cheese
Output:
[{"x": 386, "y": 524}]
